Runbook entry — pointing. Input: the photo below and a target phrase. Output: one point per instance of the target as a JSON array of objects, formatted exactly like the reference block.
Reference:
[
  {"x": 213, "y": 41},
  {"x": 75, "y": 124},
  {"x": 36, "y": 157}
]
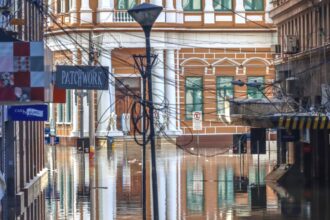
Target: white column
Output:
[
  {"x": 51, "y": 11},
  {"x": 170, "y": 12},
  {"x": 240, "y": 12},
  {"x": 84, "y": 61},
  {"x": 172, "y": 183},
  {"x": 75, "y": 131},
  {"x": 161, "y": 17},
  {"x": 209, "y": 12},
  {"x": 179, "y": 11},
  {"x": 161, "y": 187},
  {"x": 105, "y": 11},
  {"x": 62, "y": 6},
  {"x": 170, "y": 88},
  {"x": 73, "y": 11},
  {"x": 268, "y": 8},
  {"x": 106, "y": 114},
  {"x": 85, "y": 12},
  {"x": 158, "y": 88}
]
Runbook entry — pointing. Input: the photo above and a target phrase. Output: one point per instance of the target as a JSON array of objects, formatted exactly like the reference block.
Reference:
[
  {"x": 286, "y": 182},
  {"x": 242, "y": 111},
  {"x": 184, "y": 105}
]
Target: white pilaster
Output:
[
  {"x": 170, "y": 88},
  {"x": 51, "y": 11},
  {"x": 75, "y": 131},
  {"x": 268, "y": 8},
  {"x": 240, "y": 12},
  {"x": 172, "y": 183},
  {"x": 179, "y": 11},
  {"x": 84, "y": 61},
  {"x": 73, "y": 11},
  {"x": 105, "y": 11},
  {"x": 106, "y": 114},
  {"x": 209, "y": 12},
  {"x": 161, "y": 187},
  {"x": 161, "y": 17},
  {"x": 62, "y": 6},
  {"x": 85, "y": 12},
  {"x": 158, "y": 88},
  {"x": 170, "y": 12}
]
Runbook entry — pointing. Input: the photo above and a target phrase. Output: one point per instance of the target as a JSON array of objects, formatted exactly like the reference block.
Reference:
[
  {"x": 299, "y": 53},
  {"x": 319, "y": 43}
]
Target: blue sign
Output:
[{"x": 28, "y": 113}]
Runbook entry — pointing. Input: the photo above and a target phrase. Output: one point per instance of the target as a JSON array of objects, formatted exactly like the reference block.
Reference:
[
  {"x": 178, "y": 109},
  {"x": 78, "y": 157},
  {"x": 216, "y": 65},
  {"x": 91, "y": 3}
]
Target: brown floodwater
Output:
[{"x": 192, "y": 184}]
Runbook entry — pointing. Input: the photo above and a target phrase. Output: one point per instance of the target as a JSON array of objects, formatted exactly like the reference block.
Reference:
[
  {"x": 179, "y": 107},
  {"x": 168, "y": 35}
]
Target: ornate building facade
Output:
[{"x": 201, "y": 46}]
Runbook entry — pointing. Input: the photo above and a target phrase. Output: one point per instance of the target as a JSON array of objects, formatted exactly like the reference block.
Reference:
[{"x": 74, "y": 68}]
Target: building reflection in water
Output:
[{"x": 189, "y": 187}]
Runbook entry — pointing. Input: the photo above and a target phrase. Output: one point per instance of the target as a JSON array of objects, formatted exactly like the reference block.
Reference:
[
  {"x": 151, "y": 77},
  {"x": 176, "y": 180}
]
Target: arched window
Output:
[
  {"x": 192, "y": 5},
  {"x": 222, "y": 5},
  {"x": 125, "y": 4},
  {"x": 225, "y": 90},
  {"x": 194, "y": 95},
  {"x": 254, "y": 5}
]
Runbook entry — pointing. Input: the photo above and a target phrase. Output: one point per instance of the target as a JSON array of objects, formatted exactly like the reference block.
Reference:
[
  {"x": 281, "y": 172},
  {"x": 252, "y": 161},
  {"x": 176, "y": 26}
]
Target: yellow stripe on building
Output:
[
  {"x": 328, "y": 126},
  {"x": 288, "y": 122},
  {"x": 316, "y": 123},
  {"x": 280, "y": 122},
  {"x": 309, "y": 123},
  {"x": 295, "y": 123},
  {"x": 301, "y": 123},
  {"x": 322, "y": 125}
]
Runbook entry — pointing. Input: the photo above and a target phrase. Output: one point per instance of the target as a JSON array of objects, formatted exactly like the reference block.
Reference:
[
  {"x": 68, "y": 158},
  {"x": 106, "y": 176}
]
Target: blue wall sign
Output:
[{"x": 28, "y": 113}]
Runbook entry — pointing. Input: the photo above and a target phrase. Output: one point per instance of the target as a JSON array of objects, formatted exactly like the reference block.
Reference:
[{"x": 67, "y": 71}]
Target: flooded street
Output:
[{"x": 213, "y": 185}]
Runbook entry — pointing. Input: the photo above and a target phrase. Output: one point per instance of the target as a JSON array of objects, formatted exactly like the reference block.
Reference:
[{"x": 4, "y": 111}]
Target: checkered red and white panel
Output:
[{"x": 22, "y": 73}]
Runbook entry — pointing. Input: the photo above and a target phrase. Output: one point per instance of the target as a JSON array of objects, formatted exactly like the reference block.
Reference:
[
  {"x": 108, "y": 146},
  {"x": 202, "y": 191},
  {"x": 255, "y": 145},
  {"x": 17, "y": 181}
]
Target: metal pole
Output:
[
  {"x": 258, "y": 163},
  {"x": 144, "y": 194},
  {"x": 147, "y": 31},
  {"x": 91, "y": 130},
  {"x": 91, "y": 98},
  {"x": 198, "y": 142},
  {"x": 268, "y": 144},
  {"x": 240, "y": 157},
  {"x": 81, "y": 95}
]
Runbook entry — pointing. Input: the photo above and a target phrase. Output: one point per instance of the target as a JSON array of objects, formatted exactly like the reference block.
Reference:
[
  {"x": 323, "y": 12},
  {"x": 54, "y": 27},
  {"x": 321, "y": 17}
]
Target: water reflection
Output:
[{"x": 189, "y": 187}]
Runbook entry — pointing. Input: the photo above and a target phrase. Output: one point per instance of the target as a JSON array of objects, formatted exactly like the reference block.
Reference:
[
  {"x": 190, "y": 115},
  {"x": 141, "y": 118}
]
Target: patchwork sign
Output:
[
  {"x": 82, "y": 77},
  {"x": 22, "y": 72}
]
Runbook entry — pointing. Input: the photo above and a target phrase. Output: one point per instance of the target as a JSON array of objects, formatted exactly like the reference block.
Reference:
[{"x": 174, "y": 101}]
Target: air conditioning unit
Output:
[
  {"x": 291, "y": 44},
  {"x": 276, "y": 48}
]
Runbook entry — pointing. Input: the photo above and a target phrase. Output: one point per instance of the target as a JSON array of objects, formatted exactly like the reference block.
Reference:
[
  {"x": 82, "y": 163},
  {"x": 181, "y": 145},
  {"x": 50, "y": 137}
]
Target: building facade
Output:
[
  {"x": 302, "y": 70},
  {"x": 22, "y": 146},
  {"x": 201, "y": 46}
]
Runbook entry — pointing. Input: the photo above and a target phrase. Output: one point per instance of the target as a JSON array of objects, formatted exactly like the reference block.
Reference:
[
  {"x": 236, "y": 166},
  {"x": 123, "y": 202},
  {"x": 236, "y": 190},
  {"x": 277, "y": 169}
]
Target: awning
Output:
[{"x": 303, "y": 122}]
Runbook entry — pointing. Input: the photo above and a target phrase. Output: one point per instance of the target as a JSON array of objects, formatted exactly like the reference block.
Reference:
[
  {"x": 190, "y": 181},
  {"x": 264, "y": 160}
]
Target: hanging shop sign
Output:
[
  {"x": 82, "y": 77},
  {"x": 28, "y": 113}
]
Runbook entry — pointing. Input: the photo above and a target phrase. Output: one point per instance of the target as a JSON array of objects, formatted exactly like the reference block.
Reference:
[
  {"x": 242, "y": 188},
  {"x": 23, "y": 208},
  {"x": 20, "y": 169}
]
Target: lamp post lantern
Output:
[{"x": 146, "y": 14}]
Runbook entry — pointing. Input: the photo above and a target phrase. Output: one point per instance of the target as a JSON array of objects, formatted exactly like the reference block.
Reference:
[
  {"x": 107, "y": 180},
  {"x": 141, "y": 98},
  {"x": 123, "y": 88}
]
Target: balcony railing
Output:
[{"x": 122, "y": 17}]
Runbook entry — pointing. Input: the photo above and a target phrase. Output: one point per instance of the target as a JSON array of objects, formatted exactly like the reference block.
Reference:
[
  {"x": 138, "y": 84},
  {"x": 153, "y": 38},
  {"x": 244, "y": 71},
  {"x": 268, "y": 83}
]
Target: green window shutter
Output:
[
  {"x": 254, "y": 5},
  {"x": 68, "y": 106},
  {"x": 255, "y": 93},
  {"x": 194, "y": 95},
  {"x": 224, "y": 89},
  {"x": 222, "y": 5},
  {"x": 121, "y": 4},
  {"x": 131, "y": 4},
  {"x": 59, "y": 113},
  {"x": 192, "y": 5},
  {"x": 125, "y": 4}
]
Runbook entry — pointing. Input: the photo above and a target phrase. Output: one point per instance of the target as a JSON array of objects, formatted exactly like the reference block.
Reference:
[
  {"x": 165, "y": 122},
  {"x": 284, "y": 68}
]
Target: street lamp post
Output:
[{"x": 146, "y": 14}]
